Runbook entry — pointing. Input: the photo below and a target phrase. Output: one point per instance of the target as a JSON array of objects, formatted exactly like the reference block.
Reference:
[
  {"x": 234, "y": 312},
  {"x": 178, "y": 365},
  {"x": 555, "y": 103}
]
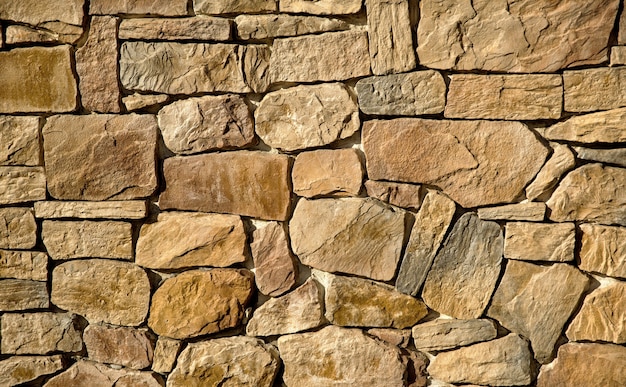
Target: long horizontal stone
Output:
[
  {"x": 191, "y": 28},
  {"x": 139, "y": 101},
  {"x": 604, "y": 127},
  {"x": 216, "y": 7},
  {"x": 22, "y": 184},
  {"x": 603, "y": 250},
  {"x": 54, "y": 32},
  {"x": 441, "y": 334},
  {"x": 607, "y": 156},
  {"x": 56, "y": 17},
  {"x": 16, "y": 294},
  {"x": 85, "y": 372},
  {"x": 540, "y": 241},
  {"x": 19, "y": 139},
  {"x": 129, "y": 209},
  {"x": 529, "y": 211},
  {"x": 594, "y": 89},
  {"x": 399, "y": 194},
  {"x": 283, "y": 25},
  {"x": 18, "y": 229},
  {"x": 26, "y": 265},
  {"x": 321, "y": 7},
  {"x": 139, "y": 7}
]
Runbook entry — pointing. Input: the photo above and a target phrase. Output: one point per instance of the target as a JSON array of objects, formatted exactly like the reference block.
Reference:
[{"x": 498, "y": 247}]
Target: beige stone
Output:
[
  {"x": 399, "y": 194},
  {"x": 594, "y": 89},
  {"x": 54, "y": 15},
  {"x": 54, "y": 32},
  {"x": 603, "y": 250},
  {"x": 529, "y": 211},
  {"x": 39, "y": 333},
  {"x": 165, "y": 354},
  {"x": 353, "y": 235},
  {"x": 26, "y": 265},
  {"x": 100, "y": 291},
  {"x": 140, "y": 101},
  {"x": 252, "y": 184},
  {"x": 17, "y": 294},
  {"x": 22, "y": 184},
  {"x": 128, "y": 347},
  {"x": 487, "y": 162},
  {"x": 128, "y": 209},
  {"x": 215, "y": 7},
  {"x": 100, "y": 157},
  {"x": 618, "y": 55},
  {"x": 561, "y": 161},
  {"x": 606, "y": 126},
  {"x": 335, "y": 356},
  {"x": 190, "y": 28},
  {"x": 19, "y": 137},
  {"x": 276, "y": 271},
  {"x": 88, "y": 239},
  {"x": 139, "y": 7},
  {"x": 199, "y": 302},
  {"x": 86, "y": 373},
  {"x": 441, "y": 334},
  {"x": 607, "y": 156},
  {"x": 306, "y": 116},
  {"x": 327, "y": 172},
  {"x": 536, "y": 302},
  {"x": 18, "y": 229},
  {"x": 540, "y": 241},
  {"x": 332, "y": 56},
  {"x": 256, "y": 65},
  {"x": 523, "y": 36},
  {"x": 182, "y": 239},
  {"x": 21, "y": 369},
  {"x": 321, "y": 7},
  {"x": 397, "y": 337},
  {"x": 283, "y": 25}
]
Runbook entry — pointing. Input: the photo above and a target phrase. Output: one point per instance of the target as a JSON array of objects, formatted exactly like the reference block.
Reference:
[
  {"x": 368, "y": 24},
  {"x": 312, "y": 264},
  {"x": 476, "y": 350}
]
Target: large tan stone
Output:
[
  {"x": 53, "y": 15},
  {"x": 39, "y": 333},
  {"x": 54, "y": 32},
  {"x": 536, "y": 302},
  {"x": 127, "y": 209},
  {"x": 18, "y": 229},
  {"x": 19, "y": 137},
  {"x": 561, "y": 161},
  {"x": 26, "y": 265},
  {"x": 22, "y": 184},
  {"x": 540, "y": 241},
  {"x": 606, "y": 126},
  {"x": 399, "y": 194},
  {"x": 529, "y": 211},
  {"x": 283, "y": 25},
  {"x": 321, "y": 7},
  {"x": 327, "y": 172},
  {"x": 353, "y": 235},
  {"x": 100, "y": 157},
  {"x": 21, "y": 369},
  {"x": 486, "y": 162},
  {"x": 306, "y": 116},
  {"x": 165, "y": 354},
  {"x": 199, "y": 302},
  {"x": 246, "y": 183},
  {"x": 607, "y": 156},
  {"x": 89, "y": 374},
  {"x": 522, "y": 36},
  {"x": 214, "y": 7},
  {"x": 190, "y": 28},
  {"x": 128, "y": 347},
  {"x": 594, "y": 89},
  {"x": 603, "y": 250},
  {"x": 17, "y": 294},
  {"x": 182, "y": 239},
  {"x": 100, "y": 290},
  {"x": 140, "y": 7},
  {"x": 441, "y": 334}
]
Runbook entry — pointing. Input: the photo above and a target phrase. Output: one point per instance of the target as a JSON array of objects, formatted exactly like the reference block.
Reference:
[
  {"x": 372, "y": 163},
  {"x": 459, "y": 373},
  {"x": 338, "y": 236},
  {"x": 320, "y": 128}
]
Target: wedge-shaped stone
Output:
[
  {"x": 540, "y": 241},
  {"x": 17, "y": 294},
  {"x": 561, "y": 161},
  {"x": 128, "y": 347},
  {"x": 399, "y": 194},
  {"x": 53, "y": 15},
  {"x": 536, "y": 302},
  {"x": 87, "y": 373},
  {"x": 327, "y": 172},
  {"x": 17, "y": 370},
  {"x": 306, "y": 116},
  {"x": 138, "y": 7},
  {"x": 165, "y": 354},
  {"x": 252, "y": 184},
  {"x": 198, "y": 302},
  {"x": 500, "y": 36},
  {"x": 601, "y": 127},
  {"x": 444, "y": 334},
  {"x": 54, "y": 32},
  {"x": 594, "y": 89},
  {"x": 189, "y": 28},
  {"x": 27, "y": 265},
  {"x": 530, "y": 211},
  {"x": 18, "y": 229},
  {"x": 182, "y": 239},
  {"x": 282, "y": 25},
  {"x": 91, "y": 210},
  {"x": 22, "y": 184},
  {"x": 337, "y": 356},
  {"x": 321, "y": 7},
  {"x": 603, "y": 250},
  {"x": 139, "y": 101},
  {"x": 465, "y": 271},
  {"x": 19, "y": 137},
  {"x": 99, "y": 290},
  {"x": 39, "y": 333},
  {"x": 607, "y": 156},
  {"x": 276, "y": 270},
  {"x": 475, "y": 171},
  {"x": 355, "y": 236},
  {"x": 214, "y": 7}
]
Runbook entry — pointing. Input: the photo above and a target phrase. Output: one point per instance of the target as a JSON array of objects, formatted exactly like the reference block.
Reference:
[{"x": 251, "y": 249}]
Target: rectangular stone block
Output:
[
  {"x": 283, "y": 25},
  {"x": 65, "y": 33},
  {"x": 19, "y": 140},
  {"x": 39, "y": 333},
  {"x": 26, "y": 265},
  {"x": 61, "y": 20},
  {"x": 594, "y": 89},
  {"x": 215, "y": 7},
  {"x": 618, "y": 55},
  {"x": 321, "y": 7},
  {"x": 17, "y": 294},
  {"x": 336, "y": 172},
  {"x": 128, "y": 209},
  {"x": 139, "y": 7},
  {"x": 18, "y": 229},
  {"x": 603, "y": 250},
  {"x": 540, "y": 241},
  {"x": 530, "y": 211},
  {"x": 189, "y": 28},
  {"x": 22, "y": 184}
]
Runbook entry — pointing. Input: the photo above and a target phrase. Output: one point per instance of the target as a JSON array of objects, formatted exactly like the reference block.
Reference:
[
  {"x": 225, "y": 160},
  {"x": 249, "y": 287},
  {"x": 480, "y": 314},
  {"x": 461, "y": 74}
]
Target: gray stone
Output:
[
  {"x": 128, "y": 347},
  {"x": 19, "y": 137},
  {"x": 18, "y": 229},
  {"x": 529, "y": 211},
  {"x": 540, "y": 241},
  {"x": 442, "y": 334},
  {"x": 40, "y": 333},
  {"x": 603, "y": 250},
  {"x": 17, "y": 294},
  {"x": 26, "y": 265},
  {"x": 607, "y": 156},
  {"x": 189, "y": 28},
  {"x": 283, "y": 25},
  {"x": 22, "y": 184}
]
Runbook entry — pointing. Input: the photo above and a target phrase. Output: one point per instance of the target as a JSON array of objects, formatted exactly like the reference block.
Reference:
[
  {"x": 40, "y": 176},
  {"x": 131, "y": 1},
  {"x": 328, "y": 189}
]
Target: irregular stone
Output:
[
  {"x": 401, "y": 195},
  {"x": 321, "y": 7},
  {"x": 99, "y": 289},
  {"x": 182, "y": 239},
  {"x": 276, "y": 270},
  {"x": 215, "y": 7},
  {"x": 59, "y": 32},
  {"x": 126, "y": 209},
  {"x": 502, "y": 362},
  {"x": 46, "y": 72},
  {"x": 327, "y": 172},
  {"x": 128, "y": 347},
  {"x": 165, "y": 354},
  {"x": 540, "y": 241},
  {"x": 430, "y": 226},
  {"x": 237, "y": 361},
  {"x": 465, "y": 271},
  {"x": 306, "y": 116},
  {"x": 607, "y": 156},
  {"x": 514, "y": 37},
  {"x": 189, "y": 28},
  {"x": 26, "y": 265},
  {"x": 138, "y": 7},
  {"x": 18, "y": 229},
  {"x": 594, "y": 89},
  {"x": 593, "y": 193},
  {"x": 410, "y": 94},
  {"x": 335, "y": 356},
  {"x": 444, "y": 334},
  {"x": 22, "y": 184},
  {"x": 606, "y": 126},
  {"x": 536, "y": 302},
  {"x": 603, "y": 250},
  {"x": 282, "y": 25},
  {"x": 397, "y": 337},
  {"x": 86, "y": 373},
  {"x": 488, "y": 162},
  {"x": 199, "y": 302},
  {"x": 52, "y": 15},
  {"x": 505, "y": 97},
  {"x": 529, "y": 211},
  {"x": 17, "y": 294},
  {"x": 561, "y": 161},
  {"x": 353, "y": 235},
  {"x": 206, "y": 123},
  {"x": 139, "y": 101},
  {"x": 81, "y": 151},
  {"x": 21, "y": 369},
  {"x": 252, "y": 184},
  {"x": 618, "y": 55},
  {"x": 19, "y": 137},
  {"x": 417, "y": 363},
  {"x": 88, "y": 239},
  {"x": 256, "y": 67},
  {"x": 40, "y": 333},
  {"x": 332, "y": 56}
]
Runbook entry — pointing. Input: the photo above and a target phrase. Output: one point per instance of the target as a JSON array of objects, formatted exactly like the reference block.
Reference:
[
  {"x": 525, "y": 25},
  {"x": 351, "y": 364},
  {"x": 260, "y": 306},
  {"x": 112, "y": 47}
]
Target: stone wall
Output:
[{"x": 312, "y": 193}]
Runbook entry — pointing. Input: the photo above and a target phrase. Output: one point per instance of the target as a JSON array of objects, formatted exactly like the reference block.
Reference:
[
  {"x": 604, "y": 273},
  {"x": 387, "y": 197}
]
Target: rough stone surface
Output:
[
  {"x": 444, "y": 334},
  {"x": 399, "y": 194},
  {"x": 22, "y": 184},
  {"x": 21, "y": 369},
  {"x": 321, "y": 7},
  {"x": 540, "y": 241},
  {"x": 206, "y": 123},
  {"x": 561, "y": 161},
  {"x": 128, "y": 347},
  {"x": 58, "y": 32},
  {"x": 603, "y": 250},
  {"x": 182, "y": 239},
  {"x": 536, "y": 301},
  {"x": 276, "y": 269},
  {"x": 594, "y": 89},
  {"x": 487, "y": 162},
  {"x": 17, "y": 294},
  {"x": 127, "y": 209},
  {"x": 99, "y": 290},
  {"x": 282, "y": 25},
  {"x": 139, "y": 101},
  {"x": 618, "y": 55},
  {"x": 19, "y": 137},
  {"x": 337, "y": 356},
  {"x": 39, "y": 333},
  {"x": 86, "y": 373},
  {"x": 327, "y": 172},
  {"x": 165, "y": 354},
  {"x": 215, "y": 7},
  {"x": 27, "y": 265},
  {"x": 139, "y": 7},
  {"x": 514, "y": 36},
  {"x": 602, "y": 127},
  {"x": 465, "y": 271},
  {"x": 191, "y": 28},
  {"x": 53, "y": 14},
  {"x": 353, "y": 235},
  {"x": 397, "y": 337},
  {"x": 198, "y": 302},
  {"x": 18, "y": 229},
  {"x": 256, "y": 67},
  {"x": 607, "y": 156},
  {"x": 529, "y": 211}
]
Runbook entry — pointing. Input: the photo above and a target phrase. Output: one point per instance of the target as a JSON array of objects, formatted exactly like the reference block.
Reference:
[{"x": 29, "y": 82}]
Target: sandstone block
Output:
[
  {"x": 189, "y": 28},
  {"x": 276, "y": 269},
  {"x": 321, "y": 7},
  {"x": 594, "y": 89},
  {"x": 87, "y": 373},
  {"x": 54, "y": 32},
  {"x": 17, "y": 294},
  {"x": 127, "y": 209},
  {"x": 165, "y": 354},
  {"x": 21, "y": 369},
  {"x": 441, "y": 334},
  {"x": 618, "y": 55},
  {"x": 26, "y": 265},
  {"x": 214, "y": 7},
  {"x": 19, "y": 137},
  {"x": 529, "y": 211},
  {"x": 561, "y": 161},
  {"x": 256, "y": 65},
  {"x": 139, "y": 101},
  {"x": 399, "y": 194},
  {"x": 607, "y": 156},
  {"x": 606, "y": 126},
  {"x": 283, "y": 25},
  {"x": 603, "y": 250},
  {"x": 540, "y": 241},
  {"x": 39, "y": 333},
  {"x": 53, "y": 15},
  {"x": 22, "y": 184},
  {"x": 327, "y": 172},
  {"x": 18, "y": 229},
  {"x": 138, "y": 7},
  {"x": 128, "y": 347}
]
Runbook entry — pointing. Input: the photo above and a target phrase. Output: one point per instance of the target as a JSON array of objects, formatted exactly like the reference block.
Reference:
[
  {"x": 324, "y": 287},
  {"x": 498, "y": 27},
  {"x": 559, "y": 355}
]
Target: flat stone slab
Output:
[
  {"x": 22, "y": 184},
  {"x": 126, "y": 209},
  {"x": 603, "y": 250},
  {"x": 26, "y": 265},
  {"x": 442, "y": 334}
]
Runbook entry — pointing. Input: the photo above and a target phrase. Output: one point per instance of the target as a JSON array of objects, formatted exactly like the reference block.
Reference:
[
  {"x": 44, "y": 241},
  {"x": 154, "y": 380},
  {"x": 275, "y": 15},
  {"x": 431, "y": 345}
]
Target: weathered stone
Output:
[
  {"x": 100, "y": 157},
  {"x": 54, "y": 15},
  {"x": 19, "y": 137},
  {"x": 505, "y": 97},
  {"x": 138, "y": 7},
  {"x": 540, "y": 241},
  {"x": 337, "y": 356},
  {"x": 397, "y": 337},
  {"x": 593, "y": 193},
  {"x": 603, "y": 250},
  {"x": 39, "y": 333},
  {"x": 88, "y": 239},
  {"x": 17, "y": 294},
  {"x": 182, "y": 239},
  {"x": 236, "y": 361},
  {"x": 561, "y": 161},
  {"x": 431, "y": 224},
  {"x": 124, "y": 346},
  {"x": 327, "y": 172},
  {"x": 45, "y": 72},
  {"x": 594, "y": 89},
  {"x": 198, "y": 302},
  {"x": 206, "y": 123},
  {"x": 26, "y": 265},
  {"x": 18, "y": 229},
  {"x": 321, "y": 7},
  {"x": 465, "y": 271},
  {"x": 276, "y": 270},
  {"x": 282, "y": 25},
  {"x": 529, "y": 211},
  {"x": 139, "y": 101},
  {"x": 618, "y": 55},
  {"x": 501, "y": 362},
  {"x": 417, "y": 363},
  {"x": 246, "y": 183},
  {"x": 190, "y": 28},
  {"x": 398, "y": 194},
  {"x": 22, "y": 184},
  {"x": 21, "y": 369},
  {"x": 411, "y": 94},
  {"x": 306, "y": 116},
  {"x": 85, "y": 373},
  {"x": 91, "y": 210},
  {"x": 256, "y": 67},
  {"x": 536, "y": 301},
  {"x": 332, "y": 56},
  {"x": 514, "y": 36},
  {"x": 215, "y": 7},
  {"x": 59, "y": 32},
  {"x": 606, "y": 126},
  {"x": 353, "y": 235},
  {"x": 443, "y": 334},
  {"x": 165, "y": 354},
  {"x": 607, "y": 156},
  {"x": 487, "y": 162},
  {"x": 99, "y": 290}
]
